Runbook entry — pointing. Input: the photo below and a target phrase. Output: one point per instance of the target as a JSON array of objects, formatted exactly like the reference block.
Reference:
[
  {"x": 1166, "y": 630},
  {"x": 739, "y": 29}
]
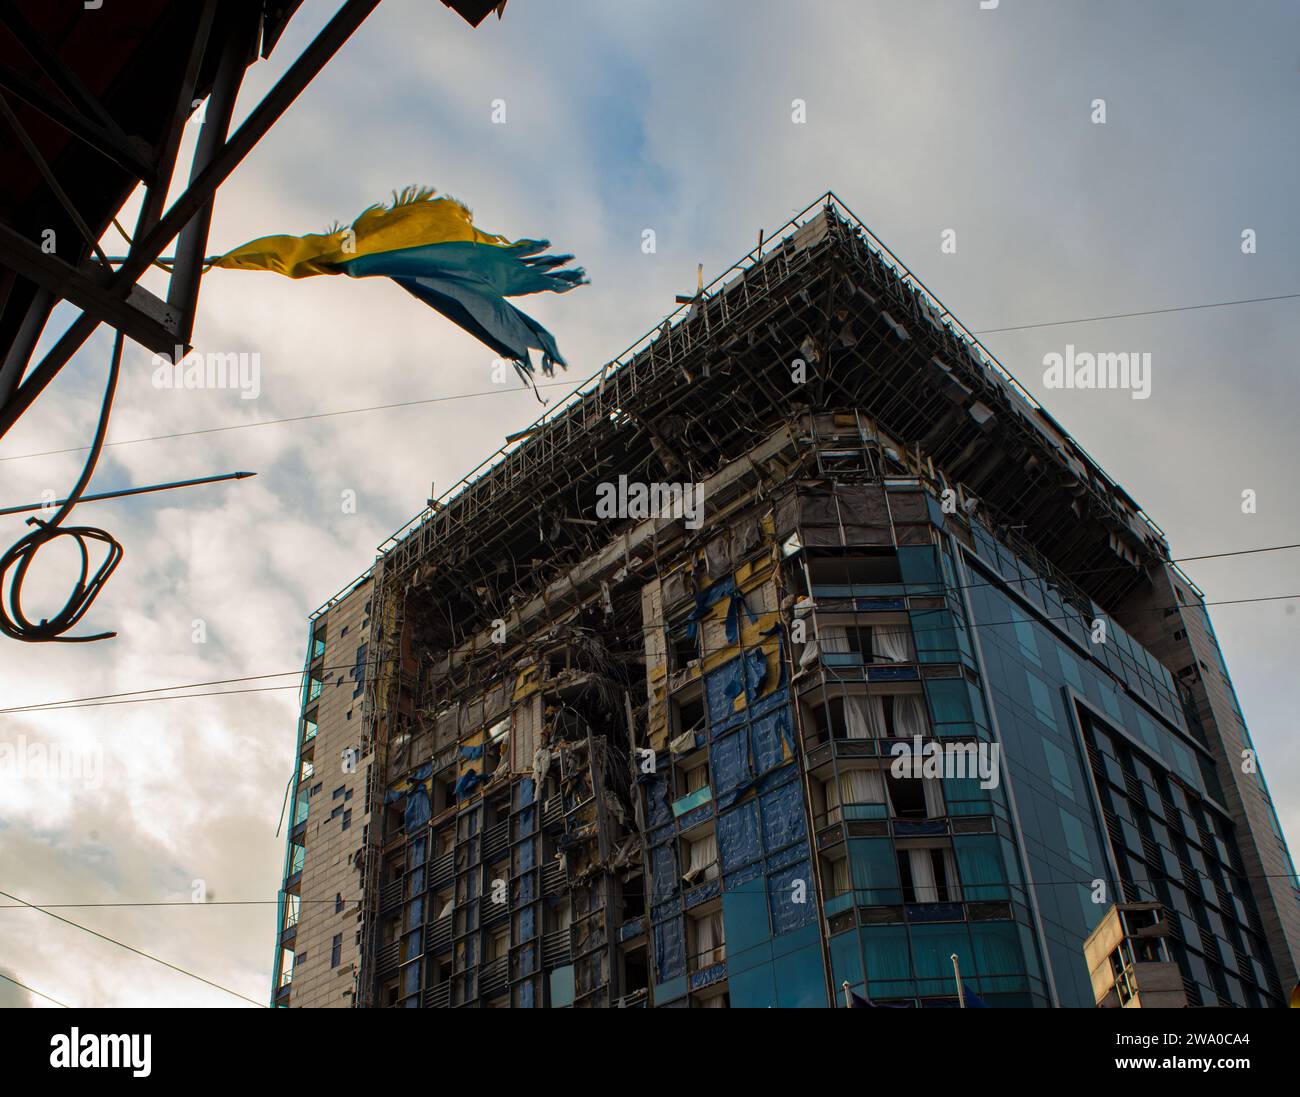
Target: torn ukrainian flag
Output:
[{"x": 430, "y": 247}]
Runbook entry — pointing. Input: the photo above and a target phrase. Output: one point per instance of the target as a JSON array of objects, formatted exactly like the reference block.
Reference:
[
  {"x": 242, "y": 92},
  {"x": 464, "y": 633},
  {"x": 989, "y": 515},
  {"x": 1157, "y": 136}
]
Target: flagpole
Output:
[{"x": 956, "y": 971}]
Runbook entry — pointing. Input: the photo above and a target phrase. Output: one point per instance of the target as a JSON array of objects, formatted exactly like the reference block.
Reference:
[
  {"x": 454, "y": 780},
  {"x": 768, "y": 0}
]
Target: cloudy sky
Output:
[{"x": 923, "y": 115}]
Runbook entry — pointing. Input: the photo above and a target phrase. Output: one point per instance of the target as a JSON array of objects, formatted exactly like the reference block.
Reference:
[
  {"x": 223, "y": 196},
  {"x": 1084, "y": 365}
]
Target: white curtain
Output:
[
  {"x": 563, "y": 916},
  {"x": 716, "y": 1002},
  {"x": 950, "y": 872},
  {"x": 863, "y": 786},
  {"x": 832, "y": 793},
  {"x": 704, "y": 858},
  {"x": 864, "y": 716},
  {"x": 924, "y": 886},
  {"x": 934, "y": 808},
  {"x": 447, "y": 907},
  {"x": 708, "y": 948},
  {"x": 891, "y": 643},
  {"x": 833, "y": 638},
  {"x": 696, "y": 778},
  {"x": 909, "y": 715},
  {"x": 840, "y": 879}
]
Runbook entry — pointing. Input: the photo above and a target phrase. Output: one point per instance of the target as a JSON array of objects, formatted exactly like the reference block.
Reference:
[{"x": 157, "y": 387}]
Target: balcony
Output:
[
  {"x": 920, "y": 828},
  {"x": 935, "y": 912}
]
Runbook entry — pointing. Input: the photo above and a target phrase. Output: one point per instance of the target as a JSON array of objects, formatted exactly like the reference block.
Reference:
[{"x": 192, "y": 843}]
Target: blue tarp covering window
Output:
[
  {"x": 784, "y": 890},
  {"x": 664, "y": 876},
  {"x": 656, "y": 791},
  {"x": 783, "y": 820},
  {"x": 789, "y": 856},
  {"x": 711, "y": 597},
  {"x": 738, "y": 836},
  {"x": 770, "y": 735},
  {"x": 465, "y": 784},
  {"x": 527, "y": 924},
  {"x": 525, "y": 791},
  {"x": 670, "y": 950},
  {"x": 729, "y": 765},
  {"x": 526, "y": 888},
  {"x": 414, "y": 794},
  {"x": 721, "y": 688},
  {"x": 755, "y": 674}
]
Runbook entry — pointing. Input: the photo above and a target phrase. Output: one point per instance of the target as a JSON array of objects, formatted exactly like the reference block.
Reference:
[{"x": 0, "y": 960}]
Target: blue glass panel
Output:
[{"x": 745, "y": 918}]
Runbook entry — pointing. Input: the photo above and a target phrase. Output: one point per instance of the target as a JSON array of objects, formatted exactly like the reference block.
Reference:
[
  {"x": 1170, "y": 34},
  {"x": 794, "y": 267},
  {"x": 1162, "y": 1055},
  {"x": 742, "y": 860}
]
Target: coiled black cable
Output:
[{"x": 13, "y": 622}]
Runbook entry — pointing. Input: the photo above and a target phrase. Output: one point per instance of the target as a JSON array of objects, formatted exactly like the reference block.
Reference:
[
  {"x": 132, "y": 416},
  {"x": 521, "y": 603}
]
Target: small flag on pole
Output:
[
  {"x": 430, "y": 247},
  {"x": 967, "y": 999}
]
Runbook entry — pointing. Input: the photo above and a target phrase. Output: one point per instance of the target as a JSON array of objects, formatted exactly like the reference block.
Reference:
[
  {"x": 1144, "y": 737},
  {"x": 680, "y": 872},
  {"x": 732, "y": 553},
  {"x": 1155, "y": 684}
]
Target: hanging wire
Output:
[{"x": 14, "y": 623}]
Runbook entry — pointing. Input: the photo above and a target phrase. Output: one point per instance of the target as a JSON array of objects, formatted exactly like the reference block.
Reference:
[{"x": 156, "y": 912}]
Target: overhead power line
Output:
[
  {"x": 1144, "y": 312},
  {"x": 132, "y": 948},
  {"x": 186, "y": 685},
  {"x": 294, "y": 419},
  {"x": 33, "y": 990}
]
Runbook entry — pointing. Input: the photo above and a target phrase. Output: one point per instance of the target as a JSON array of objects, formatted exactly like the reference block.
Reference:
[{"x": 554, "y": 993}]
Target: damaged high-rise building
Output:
[{"x": 800, "y": 654}]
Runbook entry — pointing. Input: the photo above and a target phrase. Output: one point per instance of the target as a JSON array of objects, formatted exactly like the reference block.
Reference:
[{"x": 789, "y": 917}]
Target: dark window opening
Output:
[
  {"x": 689, "y": 714},
  {"x": 907, "y": 794},
  {"x": 636, "y": 971},
  {"x": 842, "y": 571},
  {"x": 685, "y": 649},
  {"x": 633, "y": 897},
  {"x": 921, "y": 884}
]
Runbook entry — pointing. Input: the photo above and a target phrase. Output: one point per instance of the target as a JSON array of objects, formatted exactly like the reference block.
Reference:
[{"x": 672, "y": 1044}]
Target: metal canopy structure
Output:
[
  {"x": 93, "y": 105},
  {"x": 93, "y": 102}
]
